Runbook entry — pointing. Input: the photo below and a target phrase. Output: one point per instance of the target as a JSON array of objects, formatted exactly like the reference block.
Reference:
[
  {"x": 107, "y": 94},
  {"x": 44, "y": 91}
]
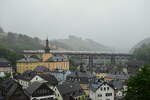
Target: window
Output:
[
  {"x": 101, "y": 89},
  {"x": 99, "y": 95},
  {"x": 104, "y": 89},
  {"x": 108, "y": 94},
  {"x": 107, "y": 88}
]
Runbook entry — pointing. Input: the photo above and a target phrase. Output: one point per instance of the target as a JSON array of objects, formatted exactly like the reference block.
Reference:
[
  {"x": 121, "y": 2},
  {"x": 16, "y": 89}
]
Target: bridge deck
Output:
[{"x": 77, "y": 53}]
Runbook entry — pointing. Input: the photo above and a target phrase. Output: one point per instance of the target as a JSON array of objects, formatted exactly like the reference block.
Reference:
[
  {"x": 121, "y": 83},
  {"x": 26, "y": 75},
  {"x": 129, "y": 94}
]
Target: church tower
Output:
[
  {"x": 47, "y": 53},
  {"x": 47, "y": 48}
]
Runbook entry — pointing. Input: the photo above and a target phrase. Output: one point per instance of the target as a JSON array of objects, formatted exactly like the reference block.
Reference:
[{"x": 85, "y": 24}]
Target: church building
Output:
[{"x": 47, "y": 60}]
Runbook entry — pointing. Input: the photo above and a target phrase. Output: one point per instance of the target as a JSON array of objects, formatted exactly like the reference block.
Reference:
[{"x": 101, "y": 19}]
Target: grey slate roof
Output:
[
  {"x": 120, "y": 77},
  {"x": 12, "y": 89},
  {"x": 33, "y": 87},
  {"x": 4, "y": 62},
  {"x": 58, "y": 71},
  {"x": 50, "y": 78},
  {"x": 27, "y": 75},
  {"x": 79, "y": 74},
  {"x": 41, "y": 69},
  {"x": 117, "y": 84},
  {"x": 7, "y": 84},
  {"x": 70, "y": 88},
  {"x": 96, "y": 85},
  {"x": 83, "y": 76},
  {"x": 28, "y": 59},
  {"x": 57, "y": 58},
  {"x": 9, "y": 87}
]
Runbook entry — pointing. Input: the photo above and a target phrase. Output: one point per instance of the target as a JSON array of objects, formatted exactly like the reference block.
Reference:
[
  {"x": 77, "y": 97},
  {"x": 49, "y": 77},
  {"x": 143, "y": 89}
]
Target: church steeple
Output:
[{"x": 47, "y": 49}]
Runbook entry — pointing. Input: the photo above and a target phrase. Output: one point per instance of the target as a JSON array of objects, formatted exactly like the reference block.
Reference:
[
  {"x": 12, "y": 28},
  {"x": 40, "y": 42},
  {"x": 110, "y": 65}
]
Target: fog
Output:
[{"x": 115, "y": 23}]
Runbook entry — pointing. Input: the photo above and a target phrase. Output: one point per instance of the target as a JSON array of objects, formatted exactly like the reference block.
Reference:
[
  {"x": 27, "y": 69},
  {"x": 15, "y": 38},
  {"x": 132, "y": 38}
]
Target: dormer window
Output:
[
  {"x": 101, "y": 89},
  {"x": 107, "y": 88},
  {"x": 104, "y": 89}
]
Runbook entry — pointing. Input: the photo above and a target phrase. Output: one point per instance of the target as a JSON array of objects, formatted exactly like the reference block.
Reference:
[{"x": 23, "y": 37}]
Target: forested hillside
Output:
[
  {"x": 142, "y": 50},
  {"x": 18, "y": 42},
  {"x": 78, "y": 44}
]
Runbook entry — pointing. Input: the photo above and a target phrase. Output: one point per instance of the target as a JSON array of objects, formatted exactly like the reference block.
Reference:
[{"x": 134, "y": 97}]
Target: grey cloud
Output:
[{"x": 116, "y": 23}]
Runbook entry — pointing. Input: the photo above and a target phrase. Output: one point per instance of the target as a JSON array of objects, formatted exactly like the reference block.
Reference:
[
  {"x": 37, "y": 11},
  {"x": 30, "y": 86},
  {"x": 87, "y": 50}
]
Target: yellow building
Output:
[
  {"x": 48, "y": 60},
  {"x": 101, "y": 75}
]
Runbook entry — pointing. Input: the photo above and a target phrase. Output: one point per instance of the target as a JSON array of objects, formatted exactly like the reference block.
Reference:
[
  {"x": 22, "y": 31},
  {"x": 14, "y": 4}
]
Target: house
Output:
[
  {"x": 119, "y": 88},
  {"x": 5, "y": 65},
  {"x": 121, "y": 77},
  {"x": 40, "y": 91},
  {"x": 24, "y": 78},
  {"x": 11, "y": 90},
  {"x": 60, "y": 75},
  {"x": 5, "y": 86},
  {"x": 28, "y": 77},
  {"x": 69, "y": 91},
  {"x": 100, "y": 90},
  {"x": 83, "y": 78}
]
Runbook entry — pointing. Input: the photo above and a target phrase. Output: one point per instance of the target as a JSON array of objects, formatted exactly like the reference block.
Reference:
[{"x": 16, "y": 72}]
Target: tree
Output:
[
  {"x": 6, "y": 76},
  {"x": 139, "y": 85},
  {"x": 10, "y": 55},
  {"x": 143, "y": 52}
]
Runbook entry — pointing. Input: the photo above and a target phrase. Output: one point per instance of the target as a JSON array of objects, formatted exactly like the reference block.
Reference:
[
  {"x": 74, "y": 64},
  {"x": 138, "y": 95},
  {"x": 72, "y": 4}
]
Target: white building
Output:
[
  {"x": 40, "y": 91},
  {"x": 101, "y": 91},
  {"x": 27, "y": 78}
]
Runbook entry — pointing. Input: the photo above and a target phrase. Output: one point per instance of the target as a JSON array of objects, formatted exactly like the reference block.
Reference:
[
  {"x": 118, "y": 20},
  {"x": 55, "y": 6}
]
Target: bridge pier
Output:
[
  {"x": 90, "y": 65},
  {"x": 81, "y": 63},
  {"x": 113, "y": 60}
]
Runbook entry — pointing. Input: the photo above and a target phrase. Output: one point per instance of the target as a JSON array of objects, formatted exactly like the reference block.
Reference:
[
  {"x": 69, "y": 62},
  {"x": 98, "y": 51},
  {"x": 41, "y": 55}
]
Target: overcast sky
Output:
[{"x": 115, "y": 23}]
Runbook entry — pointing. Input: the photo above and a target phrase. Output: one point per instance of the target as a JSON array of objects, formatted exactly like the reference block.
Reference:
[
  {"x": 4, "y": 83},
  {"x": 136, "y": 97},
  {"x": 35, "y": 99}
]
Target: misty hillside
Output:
[
  {"x": 138, "y": 45},
  {"x": 1, "y": 30},
  {"x": 18, "y": 42},
  {"x": 79, "y": 44}
]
